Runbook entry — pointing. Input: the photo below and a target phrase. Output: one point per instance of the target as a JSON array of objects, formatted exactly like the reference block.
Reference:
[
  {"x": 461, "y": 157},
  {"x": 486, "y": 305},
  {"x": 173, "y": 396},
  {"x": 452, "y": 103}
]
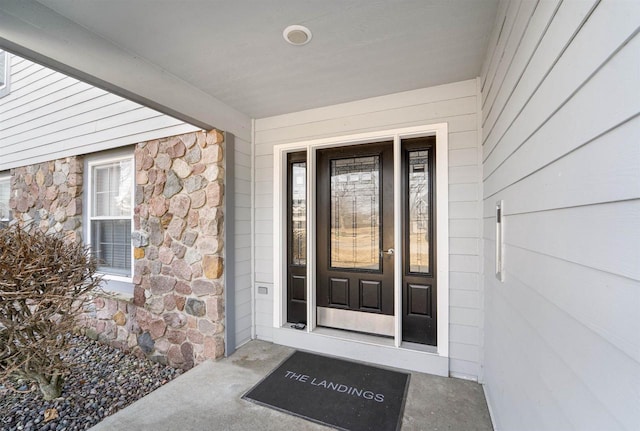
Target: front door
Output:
[
  {"x": 355, "y": 236},
  {"x": 355, "y": 256}
]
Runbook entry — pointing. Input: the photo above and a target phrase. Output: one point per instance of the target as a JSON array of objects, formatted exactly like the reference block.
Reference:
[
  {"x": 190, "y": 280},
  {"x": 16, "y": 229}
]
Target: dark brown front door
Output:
[
  {"x": 355, "y": 262},
  {"x": 354, "y": 237}
]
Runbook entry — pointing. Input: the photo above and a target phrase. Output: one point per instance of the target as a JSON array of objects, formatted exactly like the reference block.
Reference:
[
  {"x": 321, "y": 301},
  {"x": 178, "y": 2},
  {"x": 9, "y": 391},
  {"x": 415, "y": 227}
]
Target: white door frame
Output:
[{"x": 282, "y": 333}]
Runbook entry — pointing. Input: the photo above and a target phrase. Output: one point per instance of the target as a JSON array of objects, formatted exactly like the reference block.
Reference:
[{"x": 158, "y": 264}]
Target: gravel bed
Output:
[{"x": 103, "y": 380}]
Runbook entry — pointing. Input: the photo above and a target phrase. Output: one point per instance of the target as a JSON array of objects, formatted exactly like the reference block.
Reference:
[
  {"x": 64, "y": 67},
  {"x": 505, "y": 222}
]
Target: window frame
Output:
[
  {"x": 5, "y": 88},
  {"x": 105, "y": 161},
  {"x": 6, "y": 177}
]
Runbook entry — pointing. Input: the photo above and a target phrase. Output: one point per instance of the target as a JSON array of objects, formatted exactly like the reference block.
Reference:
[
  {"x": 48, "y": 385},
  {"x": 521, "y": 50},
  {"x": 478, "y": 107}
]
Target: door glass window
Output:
[
  {"x": 355, "y": 213},
  {"x": 298, "y": 213},
  {"x": 419, "y": 199}
]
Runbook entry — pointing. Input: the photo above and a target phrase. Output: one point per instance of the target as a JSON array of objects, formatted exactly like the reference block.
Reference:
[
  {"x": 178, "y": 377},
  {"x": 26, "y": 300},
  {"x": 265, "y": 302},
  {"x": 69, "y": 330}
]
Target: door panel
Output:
[
  {"x": 339, "y": 292},
  {"x": 354, "y": 224},
  {"x": 371, "y": 295}
]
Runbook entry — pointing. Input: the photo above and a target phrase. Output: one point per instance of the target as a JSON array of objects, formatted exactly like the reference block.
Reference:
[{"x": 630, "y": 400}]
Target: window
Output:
[
  {"x": 5, "y": 188},
  {"x": 297, "y": 237},
  {"x": 5, "y": 73},
  {"x": 110, "y": 209}
]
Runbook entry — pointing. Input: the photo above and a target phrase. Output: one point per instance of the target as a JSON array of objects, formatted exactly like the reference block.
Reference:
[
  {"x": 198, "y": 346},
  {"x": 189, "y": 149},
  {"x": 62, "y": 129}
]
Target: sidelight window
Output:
[
  {"x": 297, "y": 237},
  {"x": 298, "y": 213},
  {"x": 418, "y": 211}
]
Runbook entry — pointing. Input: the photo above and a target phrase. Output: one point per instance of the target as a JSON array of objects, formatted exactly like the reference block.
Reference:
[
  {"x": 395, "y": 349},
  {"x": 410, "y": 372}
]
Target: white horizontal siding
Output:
[
  {"x": 49, "y": 115},
  {"x": 264, "y": 308},
  {"x": 609, "y": 168},
  {"x": 242, "y": 241},
  {"x": 560, "y": 148},
  {"x": 455, "y": 104}
]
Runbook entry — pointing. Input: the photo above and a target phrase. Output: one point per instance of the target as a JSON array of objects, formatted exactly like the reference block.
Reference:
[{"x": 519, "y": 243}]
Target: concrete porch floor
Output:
[{"x": 208, "y": 398}]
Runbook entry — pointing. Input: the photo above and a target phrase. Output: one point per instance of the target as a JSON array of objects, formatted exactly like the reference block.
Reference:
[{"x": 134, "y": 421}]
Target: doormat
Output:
[{"x": 342, "y": 394}]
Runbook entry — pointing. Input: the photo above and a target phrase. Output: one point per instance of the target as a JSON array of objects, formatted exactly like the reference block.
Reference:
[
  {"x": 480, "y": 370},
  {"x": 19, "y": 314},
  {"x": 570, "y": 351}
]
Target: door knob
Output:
[{"x": 389, "y": 252}]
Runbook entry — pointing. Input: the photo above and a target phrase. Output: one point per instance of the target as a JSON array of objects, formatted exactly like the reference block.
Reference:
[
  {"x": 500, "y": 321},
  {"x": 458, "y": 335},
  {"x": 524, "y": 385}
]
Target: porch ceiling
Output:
[{"x": 233, "y": 51}]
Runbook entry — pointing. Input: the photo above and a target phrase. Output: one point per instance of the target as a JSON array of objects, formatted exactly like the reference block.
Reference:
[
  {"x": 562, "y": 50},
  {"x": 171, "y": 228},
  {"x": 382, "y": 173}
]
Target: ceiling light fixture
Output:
[{"x": 297, "y": 35}]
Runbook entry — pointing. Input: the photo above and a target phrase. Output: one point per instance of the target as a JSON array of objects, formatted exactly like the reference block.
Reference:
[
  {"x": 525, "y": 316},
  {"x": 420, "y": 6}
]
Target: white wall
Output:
[
  {"x": 49, "y": 115},
  {"x": 561, "y": 147},
  {"x": 456, "y": 104}
]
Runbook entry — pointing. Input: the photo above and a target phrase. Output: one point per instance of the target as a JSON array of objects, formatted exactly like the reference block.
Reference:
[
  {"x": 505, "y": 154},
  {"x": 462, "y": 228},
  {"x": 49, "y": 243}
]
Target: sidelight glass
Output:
[
  {"x": 299, "y": 213},
  {"x": 355, "y": 213},
  {"x": 419, "y": 201}
]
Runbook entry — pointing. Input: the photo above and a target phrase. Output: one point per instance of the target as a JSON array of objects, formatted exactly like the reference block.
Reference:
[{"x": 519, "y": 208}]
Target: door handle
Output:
[{"x": 389, "y": 252}]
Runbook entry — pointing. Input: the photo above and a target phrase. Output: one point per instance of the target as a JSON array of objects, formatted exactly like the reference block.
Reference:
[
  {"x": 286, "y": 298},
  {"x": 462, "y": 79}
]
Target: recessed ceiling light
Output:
[{"x": 297, "y": 35}]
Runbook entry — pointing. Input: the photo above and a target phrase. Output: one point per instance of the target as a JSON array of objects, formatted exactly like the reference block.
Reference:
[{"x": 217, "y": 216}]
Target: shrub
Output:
[{"x": 43, "y": 281}]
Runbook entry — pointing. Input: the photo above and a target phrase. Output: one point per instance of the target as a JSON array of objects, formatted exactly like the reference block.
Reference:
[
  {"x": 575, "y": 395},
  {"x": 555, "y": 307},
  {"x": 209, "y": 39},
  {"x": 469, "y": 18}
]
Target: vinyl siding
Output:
[
  {"x": 242, "y": 240},
  {"x": 48, "y": 115},
  {"x": 560, "y": 147},
  {"x": 455, "y": 104}
]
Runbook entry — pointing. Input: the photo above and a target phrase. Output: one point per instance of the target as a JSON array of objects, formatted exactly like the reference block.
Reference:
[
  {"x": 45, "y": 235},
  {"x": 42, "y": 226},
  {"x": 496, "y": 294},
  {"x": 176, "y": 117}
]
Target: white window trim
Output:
[
  {"x": 403, "y": 354},
  {"x": 98, "y": 161},
  {"x": 5, "y": 89},
  {"x": 6, "y": 177}
]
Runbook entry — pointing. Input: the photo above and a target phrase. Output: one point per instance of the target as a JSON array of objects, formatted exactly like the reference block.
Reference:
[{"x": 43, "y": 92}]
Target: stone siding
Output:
[
  {"x": 178, "y": 242},
  {"x": 111, "y": 319},
  {"x": 49, "y": 196},
  {"x": 176, "y": 315}
]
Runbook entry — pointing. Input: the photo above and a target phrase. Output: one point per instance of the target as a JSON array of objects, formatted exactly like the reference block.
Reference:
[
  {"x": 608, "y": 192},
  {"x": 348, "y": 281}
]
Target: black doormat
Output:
[{"x": 342, "y": 394}]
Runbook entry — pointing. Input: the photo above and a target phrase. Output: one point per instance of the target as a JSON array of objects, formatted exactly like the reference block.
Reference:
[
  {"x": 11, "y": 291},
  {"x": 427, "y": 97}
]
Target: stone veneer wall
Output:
[
  {"x": 178, "y": 242},
  {"x": 176, "y": 315},
  {"x": 49, "y": 196}
]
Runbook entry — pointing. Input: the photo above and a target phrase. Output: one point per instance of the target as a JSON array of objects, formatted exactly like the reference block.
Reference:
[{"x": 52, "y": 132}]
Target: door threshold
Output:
[
  {"x": 372, "y": 339},
  {"x": 363, "y": 347},
  {"x": 355, "y": 336},
  {"x": 419, "y": 347}
]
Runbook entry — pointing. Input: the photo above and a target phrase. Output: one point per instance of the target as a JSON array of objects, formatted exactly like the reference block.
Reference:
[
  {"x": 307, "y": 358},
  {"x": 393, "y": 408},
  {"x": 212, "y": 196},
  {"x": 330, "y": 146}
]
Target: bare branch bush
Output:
[{"x": 43, "y": 282}]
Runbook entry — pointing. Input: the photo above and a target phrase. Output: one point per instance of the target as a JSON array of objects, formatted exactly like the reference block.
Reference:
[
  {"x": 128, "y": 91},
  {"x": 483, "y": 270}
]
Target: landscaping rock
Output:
[
  {"x": 145, "y": 342},
  {"x": 102, "y": 381}
]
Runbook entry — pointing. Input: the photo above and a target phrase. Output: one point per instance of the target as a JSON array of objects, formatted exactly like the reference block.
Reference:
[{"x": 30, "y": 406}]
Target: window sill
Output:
[
  {"x": 119, "y": 296},
  {"x": 114, "y": 277}
]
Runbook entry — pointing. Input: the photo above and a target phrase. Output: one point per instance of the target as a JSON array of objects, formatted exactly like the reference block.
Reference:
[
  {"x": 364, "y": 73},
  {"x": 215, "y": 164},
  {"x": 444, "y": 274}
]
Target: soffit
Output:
[{"x": 234, "y": 50}]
